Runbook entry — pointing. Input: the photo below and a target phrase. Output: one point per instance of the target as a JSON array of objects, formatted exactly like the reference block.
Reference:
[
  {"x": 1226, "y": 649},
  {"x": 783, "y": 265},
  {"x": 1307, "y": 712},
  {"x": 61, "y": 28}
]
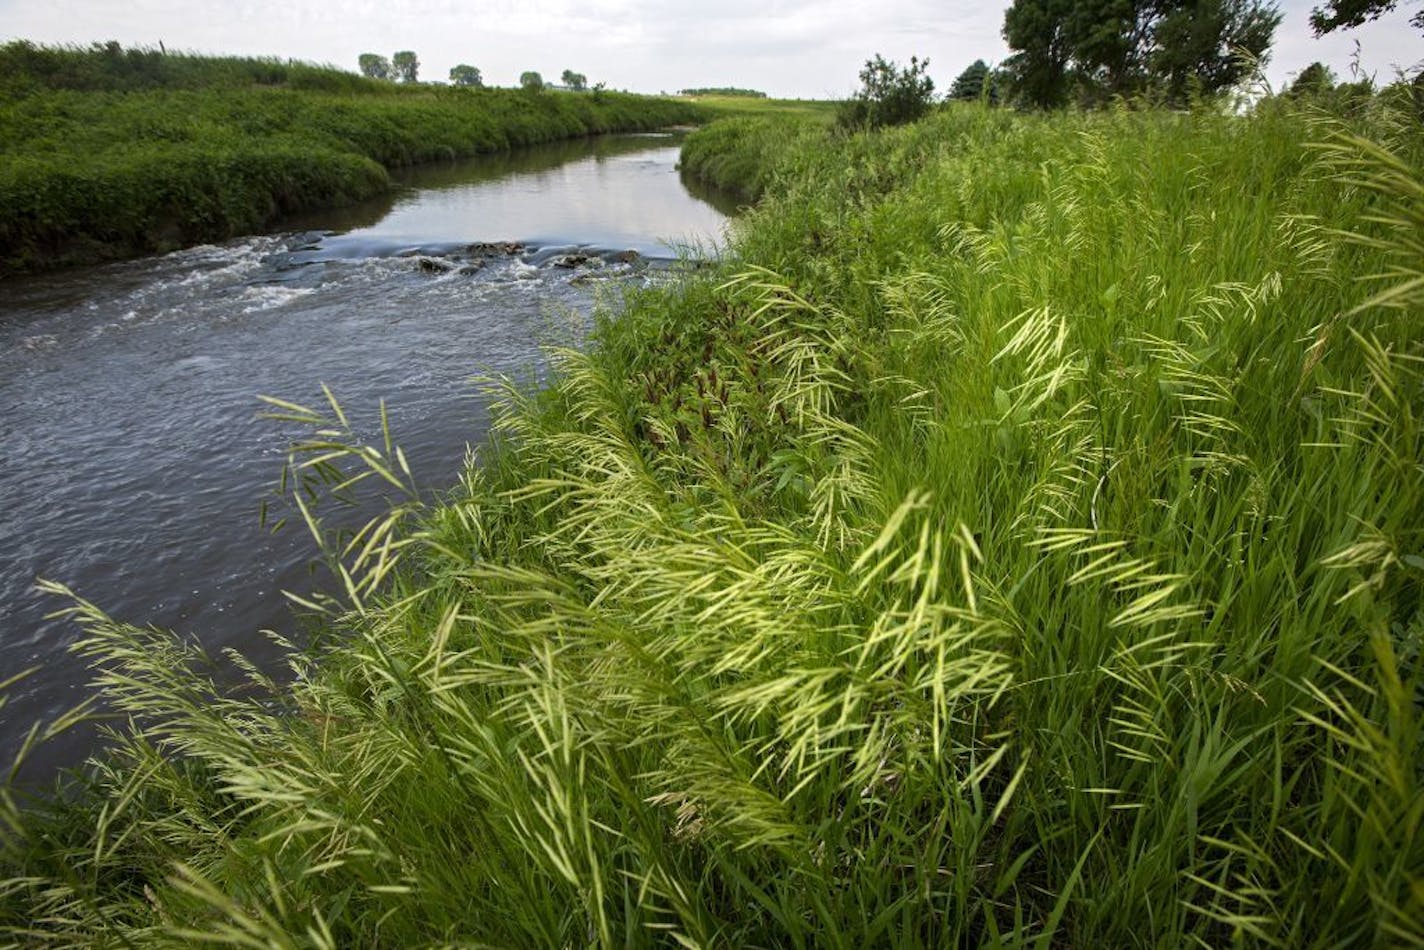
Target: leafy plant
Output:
[{"x": 889, "y": 94}]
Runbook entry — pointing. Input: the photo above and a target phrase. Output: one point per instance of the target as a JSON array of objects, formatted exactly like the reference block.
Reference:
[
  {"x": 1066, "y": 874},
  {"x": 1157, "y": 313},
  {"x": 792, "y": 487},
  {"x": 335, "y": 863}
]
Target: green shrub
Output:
[{"x": 889, "y": 95}]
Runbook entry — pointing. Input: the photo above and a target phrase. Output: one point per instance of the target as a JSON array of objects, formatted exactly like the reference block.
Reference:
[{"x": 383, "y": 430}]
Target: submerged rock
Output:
[
  {"x": 570, "y": 261},
  {"x": 495, "y": 248},
  {"x": 433, "y": 265}
]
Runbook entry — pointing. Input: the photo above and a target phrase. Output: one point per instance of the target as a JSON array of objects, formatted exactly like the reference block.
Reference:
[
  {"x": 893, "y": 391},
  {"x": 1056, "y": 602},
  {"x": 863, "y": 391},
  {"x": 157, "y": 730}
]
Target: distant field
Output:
[{"x": 748, "y": 105}]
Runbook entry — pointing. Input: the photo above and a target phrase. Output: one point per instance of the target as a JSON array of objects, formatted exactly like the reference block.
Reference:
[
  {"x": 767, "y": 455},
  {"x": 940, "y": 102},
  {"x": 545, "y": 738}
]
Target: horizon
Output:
[{"x": 780, "y": 48}]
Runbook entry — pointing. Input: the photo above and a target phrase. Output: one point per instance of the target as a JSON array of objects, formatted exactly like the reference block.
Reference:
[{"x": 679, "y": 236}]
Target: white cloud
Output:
[{"x": 786, "y": 47}]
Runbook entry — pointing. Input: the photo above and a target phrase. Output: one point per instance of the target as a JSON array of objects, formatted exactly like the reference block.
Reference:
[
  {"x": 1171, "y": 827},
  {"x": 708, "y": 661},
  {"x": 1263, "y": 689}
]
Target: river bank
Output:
[
  {"x": 212, "y": 149},
  {"x": 1016, "y": 541}
]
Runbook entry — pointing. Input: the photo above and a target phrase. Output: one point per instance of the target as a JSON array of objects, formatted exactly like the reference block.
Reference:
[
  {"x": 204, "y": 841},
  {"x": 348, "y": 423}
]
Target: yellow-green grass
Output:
[
  {"x": 1015, "y": 542},
  {"x": 729, "y": 106}
]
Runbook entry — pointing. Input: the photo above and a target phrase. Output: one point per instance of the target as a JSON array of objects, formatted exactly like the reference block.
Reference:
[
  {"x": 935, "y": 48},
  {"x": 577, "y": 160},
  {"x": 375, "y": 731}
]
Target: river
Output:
[{"x": 133, "y": 460}]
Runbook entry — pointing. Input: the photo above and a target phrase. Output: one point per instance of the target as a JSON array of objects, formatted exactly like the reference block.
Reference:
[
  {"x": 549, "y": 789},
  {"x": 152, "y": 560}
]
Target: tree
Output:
[
  {"x": 1106, "y": 48},
  {"x": 1210, "y": 45},
  {"x": 374, "y": 66},
  {"x": 405, "y": 66},
  {"x": 578, "y": 82},
  {"x": 1313, "y": 80},
  {"x": 1346, "y": 14},
  {"x": 1038, "y": 71},
  {"x": 531, "y": 81},
  {"x": 463, "y": 75},
  {"x": 977, "y": 82},
  {"x": 889, "y": 94}
]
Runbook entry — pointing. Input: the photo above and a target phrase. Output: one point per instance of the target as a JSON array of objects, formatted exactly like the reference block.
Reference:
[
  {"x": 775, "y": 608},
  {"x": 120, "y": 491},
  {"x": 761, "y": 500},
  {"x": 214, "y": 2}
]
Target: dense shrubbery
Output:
[
  {"x": 1017, "y": 542},
  {"x": 86, "y": 174}
]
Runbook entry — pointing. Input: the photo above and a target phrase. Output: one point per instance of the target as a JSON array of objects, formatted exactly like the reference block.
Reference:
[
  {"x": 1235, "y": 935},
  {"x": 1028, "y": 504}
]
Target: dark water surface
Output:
[{"x": 132, "y": 458}]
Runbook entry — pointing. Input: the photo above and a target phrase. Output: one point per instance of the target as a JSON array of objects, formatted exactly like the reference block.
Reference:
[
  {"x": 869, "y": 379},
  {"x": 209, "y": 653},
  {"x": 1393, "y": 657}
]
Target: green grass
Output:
[
  {"x": 1016, "y": 544},
  {"x": 194, "y": 149},
  {"x": 740, "y": 155},
  {"x": 732, "y": 106}
]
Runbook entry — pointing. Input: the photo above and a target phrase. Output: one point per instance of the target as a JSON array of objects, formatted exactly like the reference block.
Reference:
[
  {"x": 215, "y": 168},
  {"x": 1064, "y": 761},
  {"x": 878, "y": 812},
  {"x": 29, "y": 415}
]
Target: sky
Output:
[{"x": 786, "y": 48}]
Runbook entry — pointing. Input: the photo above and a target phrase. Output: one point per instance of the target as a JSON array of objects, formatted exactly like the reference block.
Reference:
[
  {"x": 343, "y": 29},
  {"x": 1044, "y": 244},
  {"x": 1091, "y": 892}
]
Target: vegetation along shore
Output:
[
  {"x": 109, "y": 152},
  {"x": 1014, "y": 541}
]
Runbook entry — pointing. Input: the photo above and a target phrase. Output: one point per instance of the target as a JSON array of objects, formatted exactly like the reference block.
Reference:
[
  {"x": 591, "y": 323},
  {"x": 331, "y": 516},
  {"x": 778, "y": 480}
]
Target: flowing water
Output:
[{"x": 132, "y": 457}]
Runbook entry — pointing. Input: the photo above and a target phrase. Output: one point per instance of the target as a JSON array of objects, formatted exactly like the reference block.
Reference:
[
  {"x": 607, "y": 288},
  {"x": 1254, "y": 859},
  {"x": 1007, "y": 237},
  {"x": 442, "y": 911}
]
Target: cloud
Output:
[{"x": 785, "y": 47}]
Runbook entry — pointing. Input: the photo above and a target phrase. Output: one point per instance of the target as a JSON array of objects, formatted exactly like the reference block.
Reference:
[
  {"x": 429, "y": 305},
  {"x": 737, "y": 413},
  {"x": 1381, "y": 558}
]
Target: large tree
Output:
[
  {"x": 1343, "y": 14},
  {"x": 463, "y": 75},
  {"x": 531, "y": 80},
  {"x": 374, "y": 66},
  {"x": 578, "y": 82},
  {"x": 1038, "y": 70},
  {"x": 1210, "y": 45},
  {"x": 1105, "y": 48},
  {"x": 406, "y": 66}
]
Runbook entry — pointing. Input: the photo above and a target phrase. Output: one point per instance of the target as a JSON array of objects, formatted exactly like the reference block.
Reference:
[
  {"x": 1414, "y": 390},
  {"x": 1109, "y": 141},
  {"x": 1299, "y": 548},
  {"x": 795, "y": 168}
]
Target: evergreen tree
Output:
[{"x": 976, "y": 82}]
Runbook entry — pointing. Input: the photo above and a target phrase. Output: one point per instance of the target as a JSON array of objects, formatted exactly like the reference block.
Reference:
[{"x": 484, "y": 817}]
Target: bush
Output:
[{"x": 889, "y": 94}]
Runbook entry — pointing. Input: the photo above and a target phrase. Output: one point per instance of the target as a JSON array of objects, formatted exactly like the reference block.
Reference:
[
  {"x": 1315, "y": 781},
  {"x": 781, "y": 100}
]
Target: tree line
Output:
[
  {"x": 404, "y": 66},
  {"x": 1090, "y": 52}
]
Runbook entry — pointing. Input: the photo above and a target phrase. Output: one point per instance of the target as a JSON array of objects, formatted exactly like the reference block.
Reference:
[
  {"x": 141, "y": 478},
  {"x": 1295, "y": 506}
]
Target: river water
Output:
[{"x": 132, "y": 457}]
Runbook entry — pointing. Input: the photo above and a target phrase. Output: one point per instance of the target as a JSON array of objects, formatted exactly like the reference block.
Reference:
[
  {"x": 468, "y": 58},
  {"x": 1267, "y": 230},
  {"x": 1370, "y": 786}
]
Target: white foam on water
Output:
[{"x": 270, "y": 296}]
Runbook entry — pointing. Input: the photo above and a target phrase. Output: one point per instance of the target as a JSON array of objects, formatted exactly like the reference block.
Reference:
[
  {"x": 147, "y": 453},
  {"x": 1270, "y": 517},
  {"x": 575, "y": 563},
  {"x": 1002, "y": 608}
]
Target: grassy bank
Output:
[
  {"x": 739, "y": 153},
  {"x": 1017, "y": 543},
  {"x": 107, "y": 154}
]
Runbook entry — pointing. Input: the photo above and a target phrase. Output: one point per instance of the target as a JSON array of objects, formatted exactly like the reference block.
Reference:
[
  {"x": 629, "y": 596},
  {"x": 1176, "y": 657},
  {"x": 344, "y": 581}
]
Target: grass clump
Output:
[
  {"x": 1017, "y": 542},
  {"x": 108, "y": 153}
]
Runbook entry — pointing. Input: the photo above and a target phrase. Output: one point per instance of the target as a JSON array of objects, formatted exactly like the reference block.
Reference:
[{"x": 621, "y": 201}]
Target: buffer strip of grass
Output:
[{"x": 1016, "y": 543}]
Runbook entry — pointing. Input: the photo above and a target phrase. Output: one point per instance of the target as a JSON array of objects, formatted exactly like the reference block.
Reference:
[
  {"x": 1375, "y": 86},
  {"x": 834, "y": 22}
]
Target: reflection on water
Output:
[
  {"x": 607, "y": 191},
  {"x": 133, "y": 461}
]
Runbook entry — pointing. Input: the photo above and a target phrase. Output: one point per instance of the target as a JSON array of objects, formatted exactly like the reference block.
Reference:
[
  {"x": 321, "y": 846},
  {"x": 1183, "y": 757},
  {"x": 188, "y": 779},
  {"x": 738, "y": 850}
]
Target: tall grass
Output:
[
  {"x": 106, "y": 155},
  {"x": 1018, "y": 543}
]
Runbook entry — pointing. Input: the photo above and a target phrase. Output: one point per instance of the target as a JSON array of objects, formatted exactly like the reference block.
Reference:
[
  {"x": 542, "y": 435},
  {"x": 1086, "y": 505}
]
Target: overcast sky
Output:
[{"x": 792, "y": 48}]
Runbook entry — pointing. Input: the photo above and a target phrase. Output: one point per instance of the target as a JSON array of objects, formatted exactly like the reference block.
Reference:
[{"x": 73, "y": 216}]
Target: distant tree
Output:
[
  {"x": 531, "y": 80},
  {"x": 722, "y": 91},
  {"x": 374, "y": 66},
  {"x": 1346, "y": 14},
  {"x": 889, "y": 94},
  {"x": 463, "y": 75},
  {"x": 1313, "y": 80},
  {"x": 578, "y": 82},
  {"x": 1104, "y": 48},
  {"x": 405, "y": 66},
  {"x": 977, "y": 82}
]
